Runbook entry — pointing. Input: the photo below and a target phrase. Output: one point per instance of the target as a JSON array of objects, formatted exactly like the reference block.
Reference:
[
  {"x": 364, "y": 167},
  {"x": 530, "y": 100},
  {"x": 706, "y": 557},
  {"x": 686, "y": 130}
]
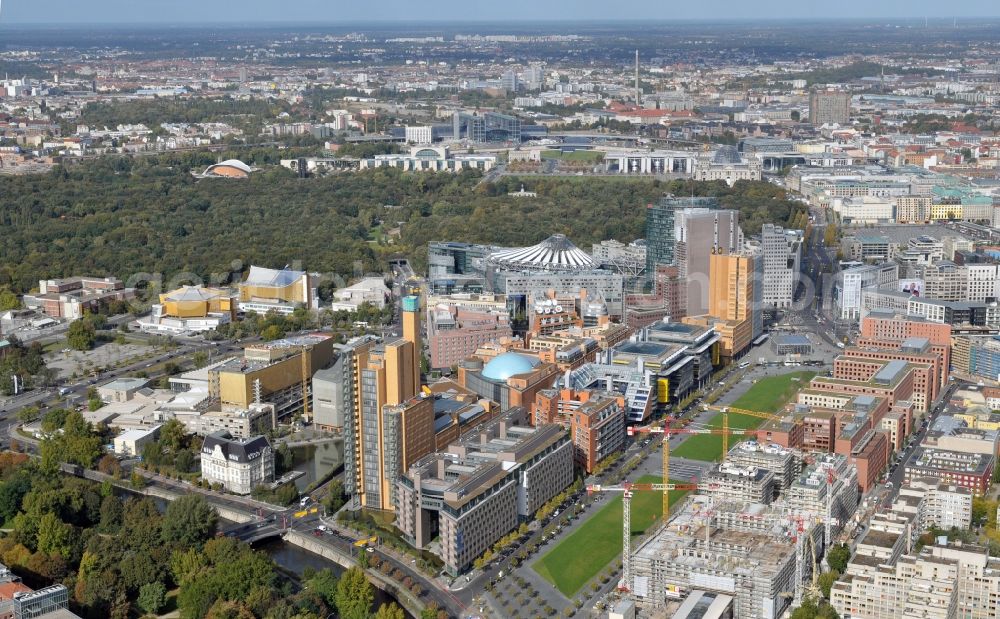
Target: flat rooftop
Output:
[
  {"x": 792, "y": 339},
  {"x": 925, "y": 458},
  {"x": 296, "y": 341}
]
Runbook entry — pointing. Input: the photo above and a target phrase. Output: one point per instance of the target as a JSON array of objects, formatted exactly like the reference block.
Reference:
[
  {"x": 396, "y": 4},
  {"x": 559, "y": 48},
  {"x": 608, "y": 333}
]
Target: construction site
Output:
[
  {"x": 745, "y": 552},
  {"x": 751, "y": 538}
]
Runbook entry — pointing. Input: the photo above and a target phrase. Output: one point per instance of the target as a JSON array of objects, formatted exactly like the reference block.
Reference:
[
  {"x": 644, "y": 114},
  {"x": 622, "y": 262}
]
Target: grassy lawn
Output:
[
  {"x": 596, "y": 543},
  {"x": 576, "y": 155},
  {"x": 768, "y": 395},
  {"x": 708, "y": 447},
  {"x": 773, "y": 392}
]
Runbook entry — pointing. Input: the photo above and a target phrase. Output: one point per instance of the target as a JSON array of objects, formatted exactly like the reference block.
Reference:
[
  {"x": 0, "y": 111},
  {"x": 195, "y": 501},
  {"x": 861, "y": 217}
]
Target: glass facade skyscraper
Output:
[{"x": 660, "y": 237}]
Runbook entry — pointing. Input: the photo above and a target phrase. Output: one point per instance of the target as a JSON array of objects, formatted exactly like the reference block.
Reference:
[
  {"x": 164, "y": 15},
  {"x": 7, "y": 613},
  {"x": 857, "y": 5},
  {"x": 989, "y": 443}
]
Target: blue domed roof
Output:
[{"x": 509, "y": 364}]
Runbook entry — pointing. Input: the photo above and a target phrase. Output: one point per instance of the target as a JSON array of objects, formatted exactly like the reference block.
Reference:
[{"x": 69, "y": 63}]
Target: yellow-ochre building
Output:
[
  {"x": 277, "y": 290},
  {"x": 191, "y": 309},
  {"x": 979, "y": 419},
  {"x": 946, "y": 211},
  {"x": 730, "y": 302},
  {"x": 386, "y": 375},
  {"x": 278, "y": 373}
]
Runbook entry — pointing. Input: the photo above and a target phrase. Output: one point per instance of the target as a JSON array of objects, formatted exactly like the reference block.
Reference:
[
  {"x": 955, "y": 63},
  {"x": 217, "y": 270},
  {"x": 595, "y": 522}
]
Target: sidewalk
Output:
[{"x": 184, "y": 486}]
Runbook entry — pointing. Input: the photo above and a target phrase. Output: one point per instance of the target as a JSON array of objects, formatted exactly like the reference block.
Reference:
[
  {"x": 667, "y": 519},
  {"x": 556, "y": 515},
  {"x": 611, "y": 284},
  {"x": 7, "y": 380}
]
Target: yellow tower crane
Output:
[
  {"x": 726, "y": 410},
  {"x": 666, "y": 431},
  {"x": 305, "y": 382}
]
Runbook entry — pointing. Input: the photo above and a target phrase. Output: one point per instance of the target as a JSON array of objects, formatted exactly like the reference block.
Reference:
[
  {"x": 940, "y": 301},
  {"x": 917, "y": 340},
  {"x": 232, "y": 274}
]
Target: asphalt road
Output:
[{"x": 896, "y": 471}]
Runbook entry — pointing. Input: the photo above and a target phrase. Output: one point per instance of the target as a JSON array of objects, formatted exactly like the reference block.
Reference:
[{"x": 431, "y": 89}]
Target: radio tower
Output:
[{"x": 638, "y": 93}]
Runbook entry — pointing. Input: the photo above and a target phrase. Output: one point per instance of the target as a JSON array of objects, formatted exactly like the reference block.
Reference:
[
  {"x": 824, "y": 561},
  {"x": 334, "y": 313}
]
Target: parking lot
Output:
[{"x": 68, "y": 362}]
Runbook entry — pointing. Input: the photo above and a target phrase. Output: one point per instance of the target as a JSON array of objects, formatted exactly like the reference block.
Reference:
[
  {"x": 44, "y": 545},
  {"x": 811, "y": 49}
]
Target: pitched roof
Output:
[{"x": 235, "y": 450}]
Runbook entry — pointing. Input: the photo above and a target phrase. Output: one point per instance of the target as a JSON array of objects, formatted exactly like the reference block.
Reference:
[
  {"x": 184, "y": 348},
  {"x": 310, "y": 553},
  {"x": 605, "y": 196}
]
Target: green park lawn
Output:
[
  {"x": 773, "y": 392},
  {"x": 768, "y": 395},
  {"x": 596, "y": 543}
]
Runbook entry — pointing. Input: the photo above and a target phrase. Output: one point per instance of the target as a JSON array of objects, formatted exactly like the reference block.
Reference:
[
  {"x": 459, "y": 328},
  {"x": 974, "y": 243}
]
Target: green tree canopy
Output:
[
  {"x": 390, "y": 610},
  {"x": 324, "y": 583},
  {"x": 81, "y": 335},
  {"x": 8, "y": 300},
  {"x": 838, "y": 556},
  {"x": 152, "y": 597},
  {"x": 354, "y": 595},
  {"x": 189, "y": 520}
]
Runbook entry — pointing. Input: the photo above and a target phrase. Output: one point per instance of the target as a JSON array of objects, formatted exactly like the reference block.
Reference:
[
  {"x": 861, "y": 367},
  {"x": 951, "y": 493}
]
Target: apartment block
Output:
[
  {"x": 944, "y": 281},
  {"x": 826, "y": 475},
  {"x": 943, "y": 581},
  {"x": 895, "y": 330},
  {"x": 595, "y": 419},
  {"x": 863, "y": 365},
  {"x": 828, "y": 107},
  {"x": 730, "y": 482},
  {"x": 966, "y": 470},
  {"x": 454, "y": 332},
  {"x": 893, "y": 380},
  {"x": 913, "y": 209},
  {"x": 751, "y": 559},
  {"x": 771, "y": 457},
  {"x": 935, "y": 504}
]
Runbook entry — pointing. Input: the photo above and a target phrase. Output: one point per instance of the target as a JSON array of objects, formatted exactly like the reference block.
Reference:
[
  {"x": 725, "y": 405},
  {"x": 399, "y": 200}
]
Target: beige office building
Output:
[
  {"x": 481, "y": 487},
  {"x": 913, "y": 209}
]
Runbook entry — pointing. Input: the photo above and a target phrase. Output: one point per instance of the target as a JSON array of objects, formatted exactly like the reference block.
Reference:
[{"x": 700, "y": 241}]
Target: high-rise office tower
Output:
[
  {"x": 508, "y": 81},
  {"x": 829, "y": 107},
  {"x": 781, "y": 251},
  {"x": 411, "y": 333},
  {"x": 698, "y": 234},
  {"x": 731, "y": 287},
  {"x": 660, "y": 228},
  {"x": 731, "y": 303},
  {"x": 534, "y": 77},
  {"x": 387, "y": 375}
]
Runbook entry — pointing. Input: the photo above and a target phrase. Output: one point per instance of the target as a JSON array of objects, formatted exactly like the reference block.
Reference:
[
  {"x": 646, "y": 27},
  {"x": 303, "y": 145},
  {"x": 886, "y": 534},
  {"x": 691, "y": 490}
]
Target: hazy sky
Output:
[{"x": 333, "y": 11}]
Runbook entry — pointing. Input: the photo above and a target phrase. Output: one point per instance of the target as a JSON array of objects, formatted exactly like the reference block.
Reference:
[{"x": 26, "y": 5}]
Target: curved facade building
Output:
[{"x": 231, "y": 168}]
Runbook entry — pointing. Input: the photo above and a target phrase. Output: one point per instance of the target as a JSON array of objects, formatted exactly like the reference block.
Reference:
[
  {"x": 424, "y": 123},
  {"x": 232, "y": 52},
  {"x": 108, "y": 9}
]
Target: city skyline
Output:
[{"x": 396, "y": 12}]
